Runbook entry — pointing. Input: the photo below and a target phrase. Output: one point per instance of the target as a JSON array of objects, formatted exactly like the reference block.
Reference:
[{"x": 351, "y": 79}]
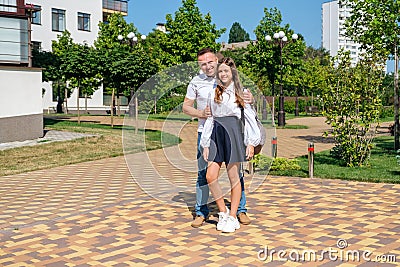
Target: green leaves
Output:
[
  {"x": 238, "y": 34},
  {"x": 374, "y": 23},
  {"x": 263, "y": 57},
  {"x": 187, "y": 32},
  {"x": 352, "y": 105}
]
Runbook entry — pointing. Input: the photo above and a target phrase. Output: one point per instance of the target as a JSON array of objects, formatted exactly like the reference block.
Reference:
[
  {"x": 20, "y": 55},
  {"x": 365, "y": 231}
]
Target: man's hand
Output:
[
  {"x": 206, "y": 151},
  {"x": 249, "y": 152},
  {"x": 248, "y": 97},
  {"x": 207, "y": 111}
]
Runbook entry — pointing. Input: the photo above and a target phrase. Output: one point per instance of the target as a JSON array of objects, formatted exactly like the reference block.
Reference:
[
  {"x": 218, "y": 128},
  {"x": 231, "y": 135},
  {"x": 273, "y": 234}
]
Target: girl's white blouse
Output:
[{"x": 228, "y": 107}]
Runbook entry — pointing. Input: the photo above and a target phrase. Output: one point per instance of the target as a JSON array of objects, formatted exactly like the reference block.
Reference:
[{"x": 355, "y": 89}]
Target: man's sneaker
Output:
[
  {"x": 231, "y": 225},
  {"x": 222, "y": 216},
  {"x": 243, "y": 218},
  {"x": 198, "y": 221}
]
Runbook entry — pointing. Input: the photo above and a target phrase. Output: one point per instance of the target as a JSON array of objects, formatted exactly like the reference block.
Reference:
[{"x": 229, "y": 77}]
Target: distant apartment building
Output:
[
  {"x": 81, "y": 19},
  {"x": 21, "y": 116},
  {"x": 333, "y": 30}
]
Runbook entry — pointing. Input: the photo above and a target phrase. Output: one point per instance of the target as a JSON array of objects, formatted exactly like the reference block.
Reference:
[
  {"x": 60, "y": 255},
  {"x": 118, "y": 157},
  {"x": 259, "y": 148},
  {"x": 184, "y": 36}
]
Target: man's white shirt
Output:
[{"x": 199, "y": 89}]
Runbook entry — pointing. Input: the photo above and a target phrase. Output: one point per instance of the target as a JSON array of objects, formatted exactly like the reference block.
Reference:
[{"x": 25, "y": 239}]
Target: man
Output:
[{"x": 198, "y": 90}]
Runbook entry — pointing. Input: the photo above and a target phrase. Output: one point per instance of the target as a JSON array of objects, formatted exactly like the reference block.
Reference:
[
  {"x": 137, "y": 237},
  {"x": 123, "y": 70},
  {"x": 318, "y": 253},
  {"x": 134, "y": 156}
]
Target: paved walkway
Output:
[
  {"x": 95, "y": 214},
  {"x": 48, "y": 137}
]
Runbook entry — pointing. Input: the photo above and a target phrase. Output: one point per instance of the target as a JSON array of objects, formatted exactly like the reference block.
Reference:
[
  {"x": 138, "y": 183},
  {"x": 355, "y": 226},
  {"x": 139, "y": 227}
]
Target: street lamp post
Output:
[
  {"x": 132, "y": 39},
  {"x": 281, "y": 39}
]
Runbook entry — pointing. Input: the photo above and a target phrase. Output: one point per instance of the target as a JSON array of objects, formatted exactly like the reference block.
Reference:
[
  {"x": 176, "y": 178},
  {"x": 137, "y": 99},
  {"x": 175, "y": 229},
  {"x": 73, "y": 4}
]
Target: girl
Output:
[{"x": 224, "y": 139}]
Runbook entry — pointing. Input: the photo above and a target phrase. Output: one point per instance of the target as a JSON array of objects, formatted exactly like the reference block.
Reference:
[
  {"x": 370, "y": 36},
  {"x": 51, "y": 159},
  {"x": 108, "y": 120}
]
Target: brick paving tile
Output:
[{"x": 96, "y": 214}]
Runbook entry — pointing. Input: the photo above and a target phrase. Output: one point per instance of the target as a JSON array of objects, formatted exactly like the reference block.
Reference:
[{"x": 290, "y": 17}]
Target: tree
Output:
[
  {"x": 352, "y": 105},
  {"x": 109, "y": 31},
  {"x": 83, "y": 72},
  {"x": 52, "y": 72},
  {"x": 375, "y": 24},
  {"x": 187, "y": 32},
  {"x": 124, "y": 65},
  {"x": 79, "y": 64},
  {"x": 239, "y": 55},
  {"x": 62, "y": 47},
  {"x": 321, "y": 54},
  {"x": 265, "y": 57},
  {"x": 238, "y": 34}
]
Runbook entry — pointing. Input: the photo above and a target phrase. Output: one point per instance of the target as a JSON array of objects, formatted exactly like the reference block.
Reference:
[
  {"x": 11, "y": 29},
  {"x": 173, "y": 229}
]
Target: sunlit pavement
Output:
[{"x": 95, "y": 214}]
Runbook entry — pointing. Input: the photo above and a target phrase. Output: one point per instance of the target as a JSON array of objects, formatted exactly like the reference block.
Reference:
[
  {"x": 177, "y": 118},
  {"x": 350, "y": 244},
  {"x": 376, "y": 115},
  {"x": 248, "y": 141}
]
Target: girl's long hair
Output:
[{"x": 235, "y": 78}]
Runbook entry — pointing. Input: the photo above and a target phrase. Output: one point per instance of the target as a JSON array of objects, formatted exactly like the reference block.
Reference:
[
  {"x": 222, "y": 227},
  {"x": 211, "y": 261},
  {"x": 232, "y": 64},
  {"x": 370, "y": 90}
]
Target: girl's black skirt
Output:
[{"x": 227, "y": 140}]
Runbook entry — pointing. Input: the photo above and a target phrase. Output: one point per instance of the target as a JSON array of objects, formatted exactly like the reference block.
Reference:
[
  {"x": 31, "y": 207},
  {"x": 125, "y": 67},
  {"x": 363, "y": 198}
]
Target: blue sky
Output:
[{"x": 304, "y": 16}]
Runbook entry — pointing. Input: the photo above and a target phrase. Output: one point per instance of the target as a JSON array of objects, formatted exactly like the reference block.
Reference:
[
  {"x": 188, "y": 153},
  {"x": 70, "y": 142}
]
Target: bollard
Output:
[
  {"x": 274, "y": 143},
  {"x": 311, "y": 160}
]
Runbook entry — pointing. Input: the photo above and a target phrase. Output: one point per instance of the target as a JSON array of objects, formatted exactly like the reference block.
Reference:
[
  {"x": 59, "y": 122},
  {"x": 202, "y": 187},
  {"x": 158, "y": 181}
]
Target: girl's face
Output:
[{"x": 225, "y": 74}]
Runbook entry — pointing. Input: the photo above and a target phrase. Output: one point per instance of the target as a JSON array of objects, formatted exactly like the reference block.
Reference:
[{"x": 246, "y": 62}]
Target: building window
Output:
[
  {"x": 58, "y": 20},
  {"x": 83, "y": 21},
  {"x": 37, "y": 15},
  {"x": 14, "y": 40},
  {"x": 116, "y": 5},
  {"x": 8, "y": 6},
  {"x": 37, "y": 46}
]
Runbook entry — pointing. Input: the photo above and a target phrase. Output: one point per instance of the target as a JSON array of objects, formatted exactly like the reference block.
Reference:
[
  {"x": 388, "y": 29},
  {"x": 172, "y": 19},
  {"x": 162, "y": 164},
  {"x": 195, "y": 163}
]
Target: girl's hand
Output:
[
  {"x": 206, "y": 152},
  {"x": 249, "y": 152},
  {"x": 248, "y": 97}
]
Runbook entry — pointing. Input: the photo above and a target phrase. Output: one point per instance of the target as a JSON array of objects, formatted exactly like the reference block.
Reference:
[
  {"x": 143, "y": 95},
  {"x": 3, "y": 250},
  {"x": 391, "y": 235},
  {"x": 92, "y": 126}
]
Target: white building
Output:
[
  {"x": 333, "y": 30},
  {"x": 21, "y": 114},
  {"x": 81, "y": 19}
]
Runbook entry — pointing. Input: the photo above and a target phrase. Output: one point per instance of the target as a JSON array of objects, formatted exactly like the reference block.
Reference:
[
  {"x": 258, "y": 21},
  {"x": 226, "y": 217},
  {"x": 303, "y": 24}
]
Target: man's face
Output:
[{"x": 208, "y": 64}]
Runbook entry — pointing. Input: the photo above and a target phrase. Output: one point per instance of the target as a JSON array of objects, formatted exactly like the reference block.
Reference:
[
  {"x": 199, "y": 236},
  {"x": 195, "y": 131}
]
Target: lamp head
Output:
[{"x": 131, "y": 35}]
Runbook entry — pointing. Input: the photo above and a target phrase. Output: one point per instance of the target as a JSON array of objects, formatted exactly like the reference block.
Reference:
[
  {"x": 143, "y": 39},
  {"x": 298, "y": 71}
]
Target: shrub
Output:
[
  {"x": 352, "y": 105},
  {"x": 386, "y": 111},
  {"x": 263, "y": 162}
]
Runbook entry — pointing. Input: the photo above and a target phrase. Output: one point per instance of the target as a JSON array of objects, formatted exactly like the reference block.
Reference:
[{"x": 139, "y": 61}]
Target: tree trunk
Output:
[
  {"x": 77, "y": 105},
  {"x": 112, "y": 107},
  {"x": 131, "y": 104},
  {"x": 396, "y": 99},
  {"x": 86, "y": 112},
  {"x": 118, "y": 105},
  {"x": 155, "y": 105},
  {"x": 66, "y": 100},
  {"x": 59, "y": 99},
  {"x": 136, "y": 115},
  {"x": 296, "y": 109}
]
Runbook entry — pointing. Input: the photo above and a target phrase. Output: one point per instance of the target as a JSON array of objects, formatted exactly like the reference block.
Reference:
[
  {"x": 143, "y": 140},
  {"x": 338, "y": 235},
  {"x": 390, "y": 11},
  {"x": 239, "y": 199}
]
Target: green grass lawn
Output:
[
  {"x": 382, "y": 167},
  {"x": 106, "y": 143}
]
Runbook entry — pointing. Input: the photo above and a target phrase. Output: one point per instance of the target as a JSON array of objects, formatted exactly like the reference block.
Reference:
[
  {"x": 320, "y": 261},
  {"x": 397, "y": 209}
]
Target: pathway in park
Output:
[{"x": 97, "y": 214}]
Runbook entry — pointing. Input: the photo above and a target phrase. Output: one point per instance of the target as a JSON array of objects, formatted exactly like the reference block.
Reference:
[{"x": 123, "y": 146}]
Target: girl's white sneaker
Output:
[
  {"x": 222, "y": 216},
  {"x": 231, "y": 225}
]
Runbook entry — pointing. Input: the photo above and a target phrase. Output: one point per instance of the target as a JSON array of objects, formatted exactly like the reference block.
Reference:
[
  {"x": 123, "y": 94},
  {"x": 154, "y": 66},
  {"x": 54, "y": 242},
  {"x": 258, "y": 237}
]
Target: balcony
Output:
[
  {"x": 113, "y": 6},
  {"x": 12, "y": 8}
]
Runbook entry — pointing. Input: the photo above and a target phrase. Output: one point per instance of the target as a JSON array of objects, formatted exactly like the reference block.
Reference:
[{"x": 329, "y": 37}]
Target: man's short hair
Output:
[{"x": 205, "y": 50}]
